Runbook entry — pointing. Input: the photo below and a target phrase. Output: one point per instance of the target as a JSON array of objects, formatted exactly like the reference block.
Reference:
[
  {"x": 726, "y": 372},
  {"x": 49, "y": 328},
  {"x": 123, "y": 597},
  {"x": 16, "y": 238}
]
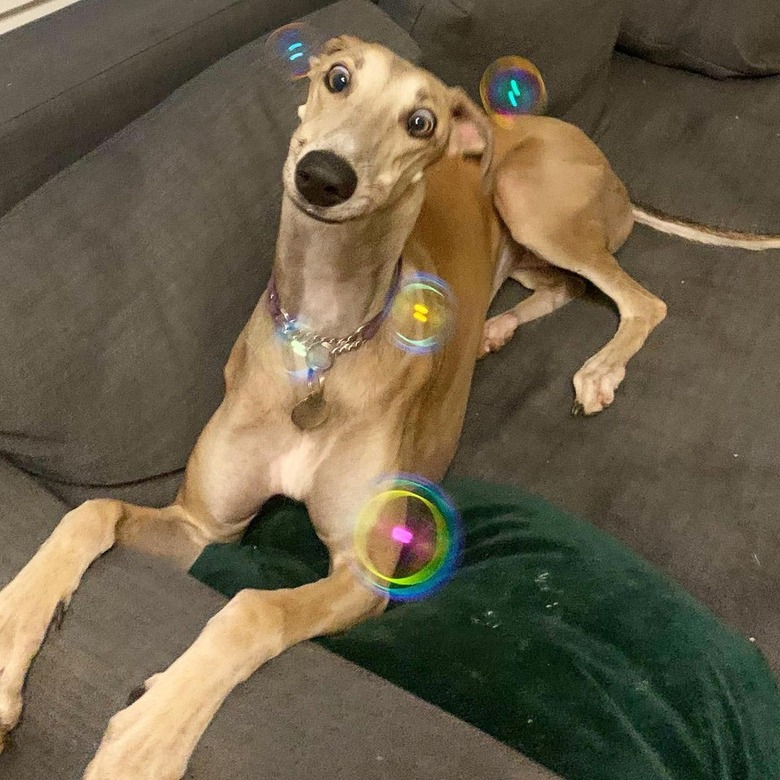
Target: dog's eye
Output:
[
  {"x": 337, "y": 78},
  {"x": 421, "y": 123}
]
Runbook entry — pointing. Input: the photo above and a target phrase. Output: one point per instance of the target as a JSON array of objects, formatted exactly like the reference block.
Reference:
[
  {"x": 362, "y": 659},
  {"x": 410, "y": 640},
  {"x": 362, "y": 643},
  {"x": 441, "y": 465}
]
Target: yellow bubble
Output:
[
  {"x": 420, "y": 312},
  {"x": 407, "y": 538},
  {"x": 423, "y": 314}
]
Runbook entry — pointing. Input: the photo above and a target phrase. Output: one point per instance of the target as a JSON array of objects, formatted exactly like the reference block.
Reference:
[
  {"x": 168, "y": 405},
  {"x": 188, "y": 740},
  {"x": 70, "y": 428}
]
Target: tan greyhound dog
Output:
[{"x": 375, "y": 171}]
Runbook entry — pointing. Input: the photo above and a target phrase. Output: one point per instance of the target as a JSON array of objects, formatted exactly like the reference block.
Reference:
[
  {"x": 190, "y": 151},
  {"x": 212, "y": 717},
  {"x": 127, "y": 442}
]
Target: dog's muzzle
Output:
[{"x": 325, "y": 179}]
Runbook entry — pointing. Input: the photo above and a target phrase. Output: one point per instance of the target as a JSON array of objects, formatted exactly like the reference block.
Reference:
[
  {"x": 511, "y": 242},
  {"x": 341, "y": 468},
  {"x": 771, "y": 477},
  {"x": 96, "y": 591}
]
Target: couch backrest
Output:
[
  {"x": 570, "y": 41},
  {"x": 719, "y": 38},
  {"x": 71, "y": 79},
  {"x": 127, "y": 277}
]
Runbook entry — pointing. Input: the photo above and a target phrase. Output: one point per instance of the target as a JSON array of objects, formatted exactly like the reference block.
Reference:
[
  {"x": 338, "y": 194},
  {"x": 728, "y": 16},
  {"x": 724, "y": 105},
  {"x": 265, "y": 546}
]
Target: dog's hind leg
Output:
[
  {"x": 552, "y": 288},
  {"x": 568, "y": 207},
  {"x": 640, "y": 311}
]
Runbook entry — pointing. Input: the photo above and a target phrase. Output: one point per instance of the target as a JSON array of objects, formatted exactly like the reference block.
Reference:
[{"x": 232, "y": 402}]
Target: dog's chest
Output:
[{"x": 292, "y": 472}]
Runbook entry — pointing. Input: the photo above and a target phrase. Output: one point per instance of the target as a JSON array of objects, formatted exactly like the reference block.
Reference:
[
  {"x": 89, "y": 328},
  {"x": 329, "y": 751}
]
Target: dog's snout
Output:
[{"x": 325, "y": 179}]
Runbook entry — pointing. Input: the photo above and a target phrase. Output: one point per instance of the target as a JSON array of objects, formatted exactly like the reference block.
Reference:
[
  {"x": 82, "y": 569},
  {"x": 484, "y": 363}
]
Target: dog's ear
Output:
[{"x": 471, "y": 133}]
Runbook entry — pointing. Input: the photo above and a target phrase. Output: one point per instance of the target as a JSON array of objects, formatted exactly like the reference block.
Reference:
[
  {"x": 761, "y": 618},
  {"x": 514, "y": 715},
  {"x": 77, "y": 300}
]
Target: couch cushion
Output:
[
  {"x": 720, "y": 38},
  {"x": 693, "y": 147},
  {"x": 460, "y": 38},
  {"x": 74, "y": 77},
  {"x": 127, "y": 277}
]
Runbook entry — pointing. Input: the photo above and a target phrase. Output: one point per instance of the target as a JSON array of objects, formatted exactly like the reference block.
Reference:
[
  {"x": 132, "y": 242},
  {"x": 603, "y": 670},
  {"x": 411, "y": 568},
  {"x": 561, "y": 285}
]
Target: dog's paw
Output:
[
  {"x": 148, "y": 740},
  {"x": 24, "y": 621},
  {"x": 10, "y": 712},
  {"x": 595, "y": 385},
  {"x": 134, "y": 749},
  {"x": 497, "y": 332}
]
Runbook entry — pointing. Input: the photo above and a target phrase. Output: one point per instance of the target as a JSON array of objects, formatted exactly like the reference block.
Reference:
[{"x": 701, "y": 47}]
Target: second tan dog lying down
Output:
[{"x": 377, "y": 170}]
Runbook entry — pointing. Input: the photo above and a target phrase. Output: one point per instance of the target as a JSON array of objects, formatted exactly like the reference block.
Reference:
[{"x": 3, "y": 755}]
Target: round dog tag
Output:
[{"x": 311, "y": 412}]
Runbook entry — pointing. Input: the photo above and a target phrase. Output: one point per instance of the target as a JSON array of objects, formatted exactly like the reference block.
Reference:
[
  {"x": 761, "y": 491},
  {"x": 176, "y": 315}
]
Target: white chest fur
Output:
[{"x": 292, "y": 472}]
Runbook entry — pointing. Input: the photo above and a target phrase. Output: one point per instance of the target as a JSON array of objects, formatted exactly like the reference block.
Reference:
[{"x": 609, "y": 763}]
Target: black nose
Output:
[{"x": 324, "y": 178}]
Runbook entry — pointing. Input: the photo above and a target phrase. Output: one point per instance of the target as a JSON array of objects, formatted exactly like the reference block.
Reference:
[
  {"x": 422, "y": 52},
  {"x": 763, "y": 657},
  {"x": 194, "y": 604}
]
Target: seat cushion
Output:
[
  {"x": 683, "y": 466},
  {"x": 127, "y": 278},
  {"x": 719, "y": 38},
  {"x": 552, "y": 637}
]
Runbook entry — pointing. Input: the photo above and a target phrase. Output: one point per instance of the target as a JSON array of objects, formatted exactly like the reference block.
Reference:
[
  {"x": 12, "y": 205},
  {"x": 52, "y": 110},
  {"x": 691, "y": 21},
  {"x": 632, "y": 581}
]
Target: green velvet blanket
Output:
[{"x": 552, "y": 637}]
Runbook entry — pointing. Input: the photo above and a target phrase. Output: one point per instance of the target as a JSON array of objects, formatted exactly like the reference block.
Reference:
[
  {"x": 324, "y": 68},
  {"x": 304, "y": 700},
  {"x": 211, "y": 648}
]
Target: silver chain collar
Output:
[
  {"x": 293, "y": 331},
  {"x": 318, "y": 350}
]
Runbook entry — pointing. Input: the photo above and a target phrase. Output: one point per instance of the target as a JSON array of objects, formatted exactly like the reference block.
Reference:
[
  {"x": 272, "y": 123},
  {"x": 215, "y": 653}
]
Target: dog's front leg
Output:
[
  {"x": 41, "y": 592},
  {"x": 154, "y": 738},
  {"x": 213, "y": 505}
]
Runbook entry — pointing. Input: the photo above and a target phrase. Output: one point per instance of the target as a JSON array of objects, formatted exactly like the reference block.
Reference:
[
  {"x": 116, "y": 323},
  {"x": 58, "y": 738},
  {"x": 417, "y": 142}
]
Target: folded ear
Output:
[{"x": 471, "y": 134}]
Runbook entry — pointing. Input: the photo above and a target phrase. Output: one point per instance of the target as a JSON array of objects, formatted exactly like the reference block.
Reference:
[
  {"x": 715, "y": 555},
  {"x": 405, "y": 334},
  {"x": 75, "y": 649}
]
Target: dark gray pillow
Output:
[
  {"x": 719, "y": 38},
  {"x": 128, "y": 276},
  {"x": 570, "y": 41}
]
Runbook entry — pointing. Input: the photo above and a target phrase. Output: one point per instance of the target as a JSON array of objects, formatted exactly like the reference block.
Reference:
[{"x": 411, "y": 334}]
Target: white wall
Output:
[{"x": 15, "y": 13}]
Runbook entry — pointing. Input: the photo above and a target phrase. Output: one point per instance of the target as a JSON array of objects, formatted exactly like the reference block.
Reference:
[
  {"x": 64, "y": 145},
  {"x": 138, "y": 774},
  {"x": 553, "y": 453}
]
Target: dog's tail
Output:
[{"x": 692, "y": 231}]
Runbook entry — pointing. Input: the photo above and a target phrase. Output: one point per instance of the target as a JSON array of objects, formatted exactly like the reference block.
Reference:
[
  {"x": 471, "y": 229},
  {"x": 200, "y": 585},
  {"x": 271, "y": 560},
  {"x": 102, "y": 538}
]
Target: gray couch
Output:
[{"x": 133, "y": 246}]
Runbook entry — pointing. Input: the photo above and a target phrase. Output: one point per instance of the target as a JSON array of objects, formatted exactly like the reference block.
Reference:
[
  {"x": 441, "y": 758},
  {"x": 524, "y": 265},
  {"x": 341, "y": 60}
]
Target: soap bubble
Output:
[
  {"x": 294, "y": 352},
  {"x": 512, "y": 87},
  {"x": 290, "y": 47},
  {"x": 422, "y": 316},
  {"x": 407, "y": 538}
]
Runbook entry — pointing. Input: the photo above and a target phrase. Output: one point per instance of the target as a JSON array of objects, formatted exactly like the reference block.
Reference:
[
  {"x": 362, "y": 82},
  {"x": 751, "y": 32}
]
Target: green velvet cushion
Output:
[{"x": 552, "y": 637}]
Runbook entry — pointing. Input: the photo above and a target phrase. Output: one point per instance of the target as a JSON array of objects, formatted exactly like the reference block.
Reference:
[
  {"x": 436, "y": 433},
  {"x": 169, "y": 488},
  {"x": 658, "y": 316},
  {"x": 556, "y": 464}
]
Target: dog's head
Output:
[{"x": 371, "y": 124}]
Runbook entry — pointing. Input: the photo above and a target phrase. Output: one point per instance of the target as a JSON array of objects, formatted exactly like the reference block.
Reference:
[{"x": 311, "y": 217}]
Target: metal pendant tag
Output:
[{"x": 313, "y": 410}]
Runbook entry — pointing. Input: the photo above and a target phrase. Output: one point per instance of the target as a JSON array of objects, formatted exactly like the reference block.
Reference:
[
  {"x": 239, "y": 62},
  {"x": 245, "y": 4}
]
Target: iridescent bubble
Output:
[
  {"x": 291, "y": 46},
  {"x": 407, "y": 538},
  {"x": 296, "y": 355},
  {"x": 422, "y": 316},
  {"x": 512, "y": 87}
]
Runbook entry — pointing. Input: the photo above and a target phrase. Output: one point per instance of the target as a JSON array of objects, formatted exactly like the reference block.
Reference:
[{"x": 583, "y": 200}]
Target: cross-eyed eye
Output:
[
  {"x": 337, "y": 78},
  {"x": 421, "y": 123}
]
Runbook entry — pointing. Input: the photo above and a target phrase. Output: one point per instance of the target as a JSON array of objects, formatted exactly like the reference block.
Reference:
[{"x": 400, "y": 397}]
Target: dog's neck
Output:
[{"x": 334, "y": 277}]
